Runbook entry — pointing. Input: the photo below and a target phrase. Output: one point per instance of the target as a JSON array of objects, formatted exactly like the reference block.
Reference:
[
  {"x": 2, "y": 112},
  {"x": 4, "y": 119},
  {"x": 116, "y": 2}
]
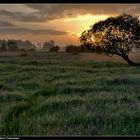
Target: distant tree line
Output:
[
  {"x": 20, "y": 45},
  {"x": 16, "y": 45},
  {"x": 50, "y": 46},
  {"x": 76, "y": 48}
]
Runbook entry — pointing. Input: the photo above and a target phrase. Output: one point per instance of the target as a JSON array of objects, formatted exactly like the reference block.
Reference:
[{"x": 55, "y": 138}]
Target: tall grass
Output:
[{"x": 62, "y": 97}]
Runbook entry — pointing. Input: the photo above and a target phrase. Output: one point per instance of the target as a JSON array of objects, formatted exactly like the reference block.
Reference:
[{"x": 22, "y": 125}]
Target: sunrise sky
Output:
[{"x": 62, "y": 23}]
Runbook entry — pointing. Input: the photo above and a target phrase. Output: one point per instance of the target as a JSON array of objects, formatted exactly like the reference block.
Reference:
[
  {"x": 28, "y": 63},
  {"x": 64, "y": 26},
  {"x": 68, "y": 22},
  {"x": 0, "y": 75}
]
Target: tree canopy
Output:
[{"x": 115, "y": 35}]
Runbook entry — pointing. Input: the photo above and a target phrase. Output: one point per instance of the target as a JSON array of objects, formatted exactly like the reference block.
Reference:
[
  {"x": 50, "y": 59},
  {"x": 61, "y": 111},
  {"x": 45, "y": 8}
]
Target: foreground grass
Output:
[{"x": 60, "y": 95}]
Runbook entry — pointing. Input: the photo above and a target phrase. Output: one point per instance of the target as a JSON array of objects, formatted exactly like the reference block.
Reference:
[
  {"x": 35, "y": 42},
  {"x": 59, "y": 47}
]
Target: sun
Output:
[
  {"x": 78, "y": 34},
  {"x": 85, "y": 21}
]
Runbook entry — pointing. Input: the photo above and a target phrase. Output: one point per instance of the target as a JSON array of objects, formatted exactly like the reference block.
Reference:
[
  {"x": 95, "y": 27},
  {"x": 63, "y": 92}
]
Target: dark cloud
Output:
[
  {"x": 6, "y": 24},
  {"x": 47, "y": 12},
  {"x": 32, "y": 17},
  {"x": 31, "y": 31},
  {"x": 59, "y": 11}
]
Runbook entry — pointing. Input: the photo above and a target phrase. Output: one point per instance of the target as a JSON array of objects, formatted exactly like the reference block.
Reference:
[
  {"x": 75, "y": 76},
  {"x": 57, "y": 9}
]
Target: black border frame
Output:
[{"x": 70, "y": 2}]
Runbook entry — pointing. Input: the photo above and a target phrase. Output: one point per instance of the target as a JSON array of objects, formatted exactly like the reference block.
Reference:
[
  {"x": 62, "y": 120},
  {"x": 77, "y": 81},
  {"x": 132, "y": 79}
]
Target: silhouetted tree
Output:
[
  {"x": 54, "y": 49},
  {"x": 71, "y": 48},
  {"x": 51, "y": 42},
  {"x": 82, "y": 48},
  {"x": 3, "y": 47},
  {"x": 115, "y": 35},
  {"x": 12, "y": 45},
  {"x": 78, "y": 48},
  {"x": 33, "y": 48},
  {"x": 48, "y": 44}
]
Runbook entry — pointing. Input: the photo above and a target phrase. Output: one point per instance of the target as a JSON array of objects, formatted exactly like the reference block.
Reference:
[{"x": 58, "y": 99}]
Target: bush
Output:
[
  {"x": 22, "y": 50},
  {"x": 71, "y": 48},
  {"x": 12, "y": 45},
  {"x": 54, "y": 49},
  {"x": 23, "y": 54},
  {"x": 32, "y": 49},
  {"x": 3, "y": 47},
  {"x": 74, "y": 48},
  {"x": 83, "y": 48}
]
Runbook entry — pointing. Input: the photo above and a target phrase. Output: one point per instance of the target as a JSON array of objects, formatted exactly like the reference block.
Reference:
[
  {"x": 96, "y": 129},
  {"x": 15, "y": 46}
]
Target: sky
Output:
[{"x": 62, "y": 23}]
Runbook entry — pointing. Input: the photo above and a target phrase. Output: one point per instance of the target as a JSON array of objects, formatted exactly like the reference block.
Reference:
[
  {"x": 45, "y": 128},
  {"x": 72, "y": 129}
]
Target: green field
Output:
[{"x": 68, "y": 94}]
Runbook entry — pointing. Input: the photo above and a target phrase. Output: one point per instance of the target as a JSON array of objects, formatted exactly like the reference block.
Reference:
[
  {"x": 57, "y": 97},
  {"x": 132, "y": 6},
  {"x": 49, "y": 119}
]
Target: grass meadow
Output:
[{"x": 68, "y": 94}]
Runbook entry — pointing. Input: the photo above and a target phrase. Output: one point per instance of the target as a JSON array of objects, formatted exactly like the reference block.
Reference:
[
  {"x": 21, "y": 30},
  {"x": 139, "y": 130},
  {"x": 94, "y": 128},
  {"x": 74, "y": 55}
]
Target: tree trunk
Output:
[{"x": 125, "y": 57}]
